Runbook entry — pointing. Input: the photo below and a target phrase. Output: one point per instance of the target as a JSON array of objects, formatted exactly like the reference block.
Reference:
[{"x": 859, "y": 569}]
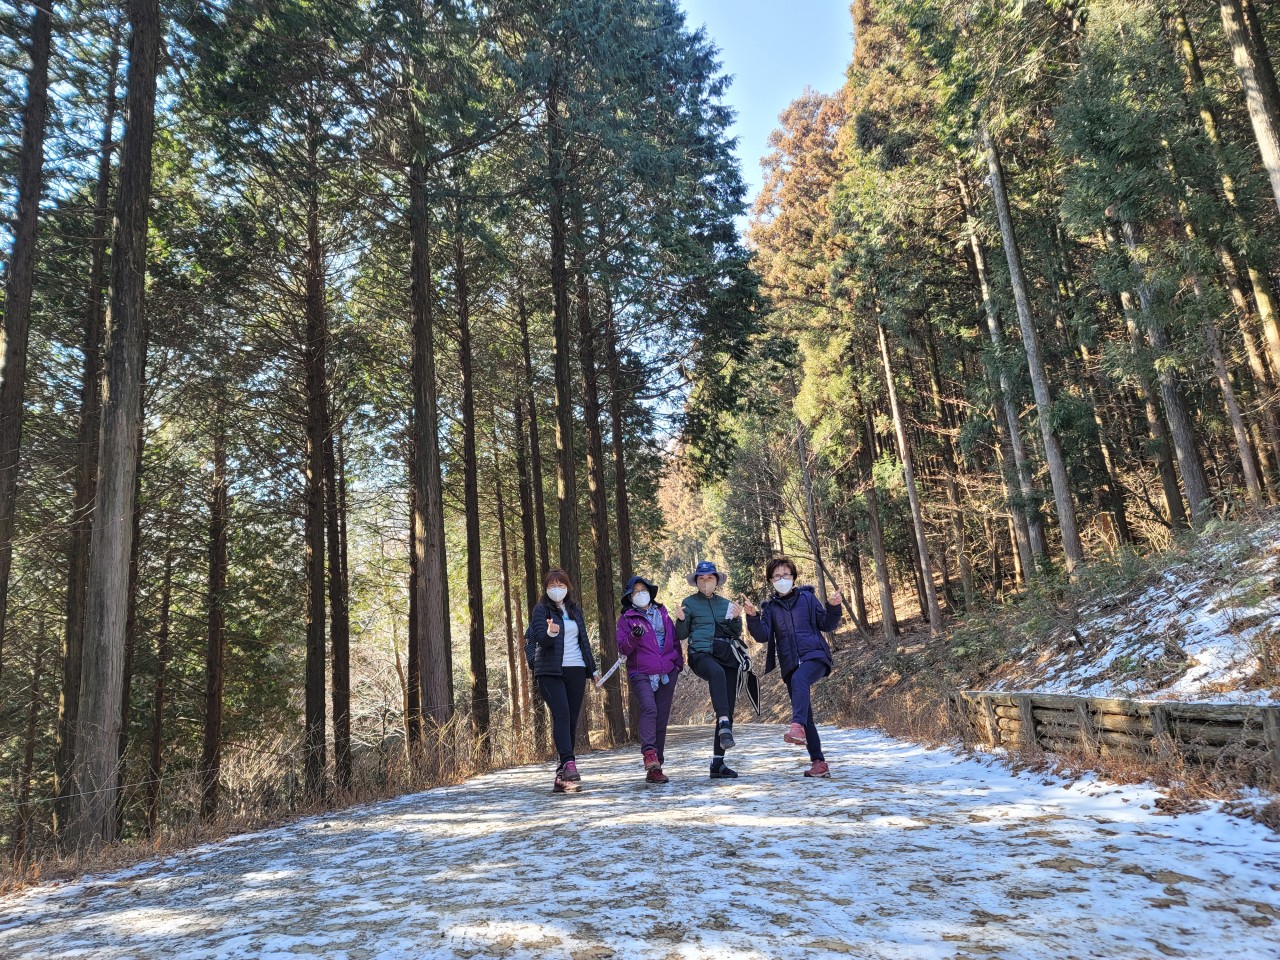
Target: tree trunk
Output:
[
  {"x": 471, "y": 502},
  {"x": 532, "y": 584},
  {"x": 1253, "y": 485},
  {"x": 339, "y": 602},
  {"x": 1259, "y": 280},
  {"x": 513, "y": 669},
  {"x": 527, "y": 701},
  {"x": 413, "y": 683},
  {"x": 16, "y": 328},
  {"x": 566, "y": 469},
  {"x": 216, "y": 646},
  {"x": 342, "y": 635},
  {"x": 22, "y": 829},
  {"x": 621, "y": 499},
  {"x": 535, "y": 451},
  {"x": 86, "y": 460},
  {"x": 1263, "y": 109},
  {"x": 1184, "y": 443},
  {"x": 1263, "y": 382},
  {"x": 157, "y": 701},
  {"x": 599, "y": 511},
  {"x": 811, "y": 512},
  {"x": 950, "y": 469},
  {"x": 130, "y": 637},
  {"x": 98, "y": 720},
  {"x": 1026, "y": 515},
  {"x": 913, "y": 496},
  {"x": 431, "y": 635},
  {"x": 1248, "y": 468},
  {"x": 314, "y": 361},
  {"x": 859, "y": 588},
  {"x": 1071, "y": 547},
  {"x": 888, "y": 615},
  {"x": 1094, "y": 390}
]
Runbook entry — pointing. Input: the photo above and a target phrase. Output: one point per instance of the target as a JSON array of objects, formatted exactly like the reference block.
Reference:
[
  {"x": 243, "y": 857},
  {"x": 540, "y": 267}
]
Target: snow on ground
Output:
[
  {"x": 906, "y": 853},
  {"x": 1197, "y": 633}
]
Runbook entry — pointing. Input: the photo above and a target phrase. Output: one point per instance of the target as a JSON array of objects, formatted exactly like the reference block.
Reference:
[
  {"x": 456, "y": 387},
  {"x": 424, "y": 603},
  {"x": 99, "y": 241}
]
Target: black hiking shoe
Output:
[
  {"x": 720, "y": 772},
  {"x": 725, "y": 735}
]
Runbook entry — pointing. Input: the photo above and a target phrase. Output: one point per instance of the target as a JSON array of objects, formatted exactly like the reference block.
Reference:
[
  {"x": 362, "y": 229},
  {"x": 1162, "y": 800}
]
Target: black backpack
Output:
[{"x": 530, "y": 645}]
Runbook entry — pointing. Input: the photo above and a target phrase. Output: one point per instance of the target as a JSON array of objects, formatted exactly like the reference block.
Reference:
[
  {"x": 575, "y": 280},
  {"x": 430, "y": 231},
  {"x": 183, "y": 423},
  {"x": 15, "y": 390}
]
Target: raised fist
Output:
[
  {"x": 553, "y": 628},
  {"x": 750, "y": 607},
  {"x": 681, "y": 612},
  {"x": 835, "y": 598}
]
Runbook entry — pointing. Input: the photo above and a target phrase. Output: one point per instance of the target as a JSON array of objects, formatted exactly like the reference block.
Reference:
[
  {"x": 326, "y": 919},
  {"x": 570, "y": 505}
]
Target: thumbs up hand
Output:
[{"x": 553, "y": 628}]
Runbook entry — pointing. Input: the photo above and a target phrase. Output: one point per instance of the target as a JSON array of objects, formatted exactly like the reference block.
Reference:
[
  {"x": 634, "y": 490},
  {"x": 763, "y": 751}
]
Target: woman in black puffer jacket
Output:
[{"x": 562, "y": 661}]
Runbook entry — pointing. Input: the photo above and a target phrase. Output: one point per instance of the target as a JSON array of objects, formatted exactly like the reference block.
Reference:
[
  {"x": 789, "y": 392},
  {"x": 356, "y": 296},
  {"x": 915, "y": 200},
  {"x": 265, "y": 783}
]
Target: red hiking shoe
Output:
[
  {"x": 651, "y": 761},
  {"x": 820, "y": 768},
  {"x": 655, "y": 775},
  {"x": 795, "y": 734}
]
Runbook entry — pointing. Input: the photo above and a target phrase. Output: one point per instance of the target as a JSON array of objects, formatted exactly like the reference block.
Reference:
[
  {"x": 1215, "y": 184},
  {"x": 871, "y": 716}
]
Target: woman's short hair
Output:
[{"x": 777, "y": 562}]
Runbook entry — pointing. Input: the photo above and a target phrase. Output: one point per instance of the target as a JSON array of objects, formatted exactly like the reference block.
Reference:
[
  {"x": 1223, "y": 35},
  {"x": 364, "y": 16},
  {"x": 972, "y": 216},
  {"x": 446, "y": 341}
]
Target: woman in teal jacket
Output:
[{"x": 709, "y": 622}]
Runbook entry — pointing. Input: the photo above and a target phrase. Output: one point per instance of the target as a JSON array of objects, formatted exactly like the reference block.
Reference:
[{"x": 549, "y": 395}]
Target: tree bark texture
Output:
[
  {"x": 98, "y": 723},
  {"x": 19, "y": 276},
  {"x": 1071, "y": 547}
]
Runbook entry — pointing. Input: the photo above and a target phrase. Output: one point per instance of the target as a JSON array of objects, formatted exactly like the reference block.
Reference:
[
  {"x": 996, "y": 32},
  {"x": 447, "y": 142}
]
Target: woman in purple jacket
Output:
[
  {"x": 792, "y": 623},
  {"x": 647, "y": 638}
]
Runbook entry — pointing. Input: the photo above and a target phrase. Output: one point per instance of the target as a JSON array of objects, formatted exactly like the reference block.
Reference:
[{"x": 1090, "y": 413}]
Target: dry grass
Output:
[{"x": 450, "y": 756}]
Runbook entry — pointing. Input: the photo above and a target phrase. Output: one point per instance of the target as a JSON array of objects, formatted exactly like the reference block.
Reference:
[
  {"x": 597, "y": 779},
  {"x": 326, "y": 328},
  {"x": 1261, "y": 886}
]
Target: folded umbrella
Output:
[{"x": 748, "y": 682}]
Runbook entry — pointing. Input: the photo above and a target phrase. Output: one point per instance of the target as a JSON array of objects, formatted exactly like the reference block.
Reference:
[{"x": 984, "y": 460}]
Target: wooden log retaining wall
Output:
[{"x": 1246, "y": 734}]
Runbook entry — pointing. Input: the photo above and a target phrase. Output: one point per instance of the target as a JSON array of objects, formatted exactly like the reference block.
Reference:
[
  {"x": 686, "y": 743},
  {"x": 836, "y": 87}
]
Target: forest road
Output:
[{"x": 905, "y": 853}]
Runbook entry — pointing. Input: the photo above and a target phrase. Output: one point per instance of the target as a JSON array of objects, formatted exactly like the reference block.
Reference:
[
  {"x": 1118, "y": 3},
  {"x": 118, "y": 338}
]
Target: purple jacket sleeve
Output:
[
  {"x": 671, "y": 636},
  {"x": 626, "y": 643}
]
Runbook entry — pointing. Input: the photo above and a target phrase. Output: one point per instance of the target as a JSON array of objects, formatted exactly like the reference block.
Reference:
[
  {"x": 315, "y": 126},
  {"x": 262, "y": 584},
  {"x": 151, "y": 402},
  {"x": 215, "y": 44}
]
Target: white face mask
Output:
[
  {"x": 557, "y": 593},
  {"x": 783, "y": 587},
  {"x": 640, "y": 599}
]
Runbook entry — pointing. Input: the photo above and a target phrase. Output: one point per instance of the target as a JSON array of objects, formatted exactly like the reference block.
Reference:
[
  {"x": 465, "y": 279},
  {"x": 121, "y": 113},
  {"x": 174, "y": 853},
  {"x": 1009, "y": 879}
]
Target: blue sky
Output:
[{"x": 773, "y": 49}]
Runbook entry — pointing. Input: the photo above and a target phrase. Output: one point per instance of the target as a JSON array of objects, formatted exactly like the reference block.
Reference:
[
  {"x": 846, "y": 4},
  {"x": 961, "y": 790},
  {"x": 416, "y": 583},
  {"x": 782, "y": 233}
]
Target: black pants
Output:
[
  {"x": 563, "y": 697},
  {"x": 723, "y": 683}
]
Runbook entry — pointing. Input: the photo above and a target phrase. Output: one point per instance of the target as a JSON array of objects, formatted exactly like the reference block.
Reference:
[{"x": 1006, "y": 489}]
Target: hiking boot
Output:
[
  {"x": 795, "y": 734},
  {"x": 651, "y": 761},
  {"x": 655, "y": 775},
  {"x": 569, "y": 772},
  {"x": 721, "y": 772},
  {"x": 819, "y": 769},
  {"x": 559, "y": 785},
  {"x": 724, "y": 734}
]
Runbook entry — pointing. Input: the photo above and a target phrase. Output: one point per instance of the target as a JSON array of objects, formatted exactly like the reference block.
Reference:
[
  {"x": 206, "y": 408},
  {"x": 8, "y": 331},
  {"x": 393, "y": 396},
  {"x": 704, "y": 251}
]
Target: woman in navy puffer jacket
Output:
[{"x": 792, "y": 623}]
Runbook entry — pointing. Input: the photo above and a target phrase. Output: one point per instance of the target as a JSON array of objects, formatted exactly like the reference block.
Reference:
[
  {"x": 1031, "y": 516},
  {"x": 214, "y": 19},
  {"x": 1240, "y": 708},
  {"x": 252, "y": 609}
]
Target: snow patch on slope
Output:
[{"x": 1199, "y": 631}]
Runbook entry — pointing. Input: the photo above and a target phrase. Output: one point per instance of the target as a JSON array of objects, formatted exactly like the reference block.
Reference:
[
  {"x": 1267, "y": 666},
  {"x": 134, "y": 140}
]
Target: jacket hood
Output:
[{"x": 631, "y": 585}]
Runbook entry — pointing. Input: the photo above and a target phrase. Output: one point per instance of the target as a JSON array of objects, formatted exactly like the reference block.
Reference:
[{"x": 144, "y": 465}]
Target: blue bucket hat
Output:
[
  {"x": 702, "y": 569},
  {"x": 631, "y": 585}
]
